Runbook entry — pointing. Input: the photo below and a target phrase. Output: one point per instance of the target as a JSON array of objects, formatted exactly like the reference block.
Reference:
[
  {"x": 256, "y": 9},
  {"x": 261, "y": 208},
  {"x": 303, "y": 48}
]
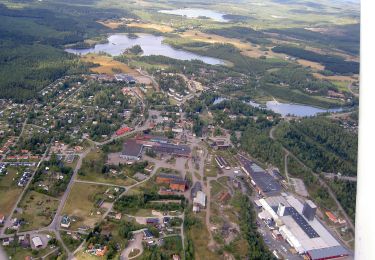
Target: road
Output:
[
  {"x": 3, "y": 255},
  {"x": 339, "y": 177},
  {"x": 155, "y": 83},
  {"x": 9, "y": 218},
  {"x": 56, "y": 220},
  {"x": 321, "y": 182}
]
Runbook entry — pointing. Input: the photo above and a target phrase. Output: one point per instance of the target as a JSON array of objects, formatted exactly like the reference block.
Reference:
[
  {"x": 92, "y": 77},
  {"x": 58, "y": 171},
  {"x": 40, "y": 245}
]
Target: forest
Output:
[
  {"x": 321, "y": 144},
  {"x": 257, "y": 248},
  {"x": 344, "y": 37},
  {"x": 32, "y": 41},
  {"x": 332, "y": 63}
]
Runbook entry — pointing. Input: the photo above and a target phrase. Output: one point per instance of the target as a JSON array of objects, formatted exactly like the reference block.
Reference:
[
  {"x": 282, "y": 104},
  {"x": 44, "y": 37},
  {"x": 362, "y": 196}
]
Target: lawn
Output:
[
  {"x": 216, "y": 188},
  {"x": 82, "y": 204},
  {"x": 9, "y": 191},
  {"x": 20, "y": 253},
  {"x": 95, "y": 175},
  {"x": 38, "y": 210},
  {"x": 200, "y": 236},
  {"x": 85, "y": 256}
]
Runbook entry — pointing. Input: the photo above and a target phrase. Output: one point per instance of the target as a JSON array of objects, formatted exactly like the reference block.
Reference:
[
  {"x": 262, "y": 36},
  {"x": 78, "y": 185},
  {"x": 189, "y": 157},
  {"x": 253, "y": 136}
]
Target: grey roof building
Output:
[
  {"x": 131, "y": 150},
  {"x": 197, "y": 187},
  {"x": 265, "y": 183}
]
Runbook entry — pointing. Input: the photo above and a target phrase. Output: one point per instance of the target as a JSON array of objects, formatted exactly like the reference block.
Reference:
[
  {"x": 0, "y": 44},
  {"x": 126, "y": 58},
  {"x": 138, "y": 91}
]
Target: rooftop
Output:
[
  {"x": 132, "y": 148},
  {"x": 262, "y": 179},
  {"x": 306, "y": 235}
]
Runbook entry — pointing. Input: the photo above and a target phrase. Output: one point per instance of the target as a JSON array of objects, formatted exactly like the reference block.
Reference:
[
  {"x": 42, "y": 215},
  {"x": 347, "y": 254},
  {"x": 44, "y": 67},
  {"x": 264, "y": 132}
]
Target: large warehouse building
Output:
[
  {"x": 263, "y": 182},
  {"x": 300, "y": 228}
]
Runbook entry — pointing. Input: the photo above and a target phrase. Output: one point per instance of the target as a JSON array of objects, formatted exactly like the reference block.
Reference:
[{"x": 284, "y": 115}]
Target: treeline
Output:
[
  {"x": 316, "y": 191},
  {"x": 257, "y": 142},
  {"x": 346, "y": 194},
  {"x": 54, "y": 166},
  {"x": 347, "y": 40},
  {"x": 321, "y": 144},
  {"x": 126, "y": 203},
  {"x": 242, "y": 64},
  {"x": 248, "y": 224},
  {"x": 298, "y": 78},
  {"x": 331, "y": 62}
]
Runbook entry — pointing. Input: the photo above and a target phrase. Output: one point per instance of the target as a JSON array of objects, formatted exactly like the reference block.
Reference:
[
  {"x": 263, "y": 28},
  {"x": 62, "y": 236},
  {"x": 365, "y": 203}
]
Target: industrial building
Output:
[
  {"x": 197, "y": 187},
  {"x": 131, "y": 150},
  {"x": 163, "y": 145},
  {"x": 262, "y": 181},
  {"x": 172, "y": 149},
  {"x": 298, "y": 225},
  {"x": 175, "y": 182},
  {"x": 200, "y": 199},
  {"x": 221, "y": 162}
]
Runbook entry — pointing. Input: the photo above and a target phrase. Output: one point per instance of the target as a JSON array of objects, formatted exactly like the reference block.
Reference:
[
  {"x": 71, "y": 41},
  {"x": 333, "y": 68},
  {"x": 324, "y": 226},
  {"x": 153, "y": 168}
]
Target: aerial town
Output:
[
  {"x": 149, "y": 134},
  {"x": 151, "y": 170}
]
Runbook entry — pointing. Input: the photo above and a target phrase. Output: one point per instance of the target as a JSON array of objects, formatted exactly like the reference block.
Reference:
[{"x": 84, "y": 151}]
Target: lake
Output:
[
  {"x": 151, "y": 45},
  {"x": 294, "y": 109},
  {"x": 196, "y": 12}
]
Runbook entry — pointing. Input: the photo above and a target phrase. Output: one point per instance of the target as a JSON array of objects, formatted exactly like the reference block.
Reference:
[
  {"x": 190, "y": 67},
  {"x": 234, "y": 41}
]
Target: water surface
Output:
[
  {"x": 196, "y": 13},
  {"x": 151, "y": 45},
  {"x": 294, "y": 109}
]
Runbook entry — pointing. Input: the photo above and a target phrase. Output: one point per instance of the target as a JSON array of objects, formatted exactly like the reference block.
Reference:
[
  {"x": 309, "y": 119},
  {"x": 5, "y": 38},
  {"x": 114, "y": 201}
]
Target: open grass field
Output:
[
  {"x": 85, "y": 256},
  {"x": 245, "y": 48},
  {"x": 311, "y": 64},
  {"x": 155, "y": 26},
  {"x": 107, "y": 65},
  {"x": 21, "y": 253},
  {"x": 38, "y": 210},
  {"x": 9, "y": 191},
  {"x": 82, "y": 204},
  {"x": 121, "y": 180},
  {"x": 336, "y": 77},
  {"x": 200, "y": 236}
]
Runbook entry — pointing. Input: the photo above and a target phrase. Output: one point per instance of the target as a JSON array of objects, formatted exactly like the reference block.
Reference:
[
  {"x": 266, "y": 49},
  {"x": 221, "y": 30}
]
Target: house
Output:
[
  {"x": 147, "y": 234},
  {"x": 152, "y": 221},
  {"x": 6, "y": 241},
  {"x": 65, "y": 222},
  {"x": 37, "y": 242},
  {"x": 131, "y": 150}
]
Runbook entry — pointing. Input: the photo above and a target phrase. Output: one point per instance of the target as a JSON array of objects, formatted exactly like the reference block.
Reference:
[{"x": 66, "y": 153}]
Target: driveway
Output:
[{"x": 135, "y": 244}]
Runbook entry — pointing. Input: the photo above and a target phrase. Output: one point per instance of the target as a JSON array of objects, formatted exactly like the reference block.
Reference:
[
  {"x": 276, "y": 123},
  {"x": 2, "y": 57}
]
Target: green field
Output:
[
  {"x": 9, "y": 191},
  {"x": 82, "y": 205},
  {"x": 38, "y": 210}
]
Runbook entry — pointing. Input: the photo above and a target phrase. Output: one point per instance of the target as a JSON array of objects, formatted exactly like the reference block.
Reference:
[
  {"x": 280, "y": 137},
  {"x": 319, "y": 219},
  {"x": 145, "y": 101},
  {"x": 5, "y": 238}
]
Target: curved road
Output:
[{"x": 321, "y": 181}]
